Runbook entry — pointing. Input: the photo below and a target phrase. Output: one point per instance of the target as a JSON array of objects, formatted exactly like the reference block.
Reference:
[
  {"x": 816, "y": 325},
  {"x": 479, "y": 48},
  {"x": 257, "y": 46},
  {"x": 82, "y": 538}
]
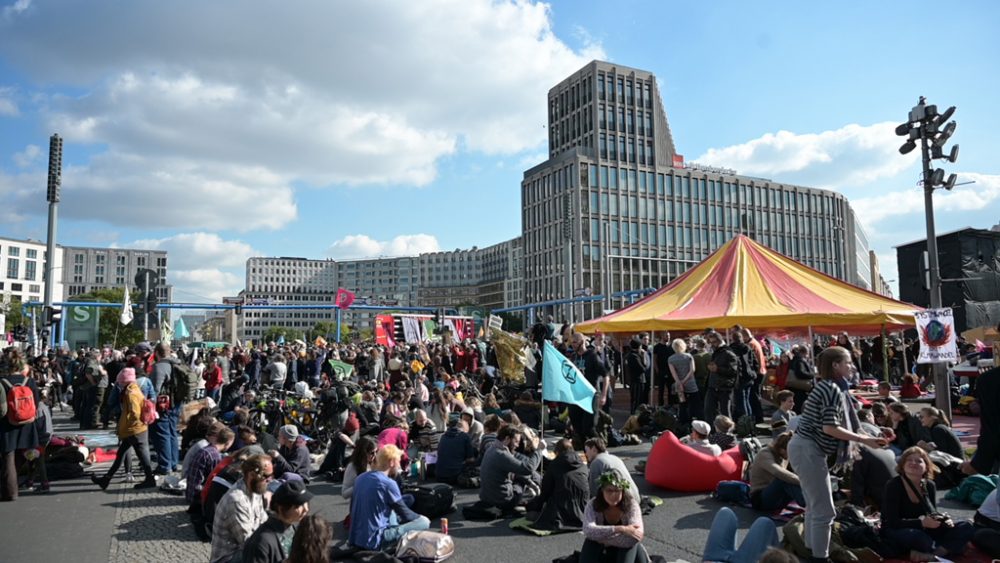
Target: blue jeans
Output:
[
  {"x": 721, "y": 544},
  {"x": 395, "y": 531},
  {"x": 166, "y": 442},
  {"x": 777, "y": 495},
  {"x": 952, "y": 539}
]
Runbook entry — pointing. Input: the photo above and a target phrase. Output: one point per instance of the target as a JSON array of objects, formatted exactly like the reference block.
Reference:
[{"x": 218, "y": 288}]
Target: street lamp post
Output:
[
  {"x": 52, "y": 196},
  {"x": 933, "y": 130}
]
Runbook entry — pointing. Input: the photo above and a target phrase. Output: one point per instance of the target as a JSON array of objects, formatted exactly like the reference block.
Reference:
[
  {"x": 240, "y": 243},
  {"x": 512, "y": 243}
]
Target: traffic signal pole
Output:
[{"x": 145, "y": 308}]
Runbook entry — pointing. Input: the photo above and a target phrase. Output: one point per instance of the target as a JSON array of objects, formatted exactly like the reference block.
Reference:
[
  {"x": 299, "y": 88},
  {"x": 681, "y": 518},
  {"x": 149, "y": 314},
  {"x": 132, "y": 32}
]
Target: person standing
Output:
[
  {"x": 681, "y": 365},
  {"x": 164, "y": 435},
  {"x": 132, "y": 432},
  {"x": 758, "y": 352},
  {"x": 662, "y": 352},
  {"x": 828, "y": 426},
  {"x": 17, "y": 434},
  {"x": 723, "y": 374},
  {"x": 594, "y": 371},
  {"x": 635, "y": 373}
]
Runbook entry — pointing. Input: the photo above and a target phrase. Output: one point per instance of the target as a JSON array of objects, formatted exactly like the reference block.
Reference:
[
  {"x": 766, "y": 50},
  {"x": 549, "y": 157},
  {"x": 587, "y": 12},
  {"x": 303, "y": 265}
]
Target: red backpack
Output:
[{"x": 20, "y": 403}]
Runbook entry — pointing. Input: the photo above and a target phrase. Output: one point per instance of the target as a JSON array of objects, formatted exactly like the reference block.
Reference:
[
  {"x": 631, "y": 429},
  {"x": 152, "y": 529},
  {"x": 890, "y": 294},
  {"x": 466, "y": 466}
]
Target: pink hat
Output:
[{"x": 126, "y": 376}]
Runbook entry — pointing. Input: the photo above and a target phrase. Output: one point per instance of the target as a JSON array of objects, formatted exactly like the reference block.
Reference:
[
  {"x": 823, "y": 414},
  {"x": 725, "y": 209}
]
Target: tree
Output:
[
  {"x": 111, "y": 330},
  {"x": 366, "y": 335},
  {"x": 13, "y": 315},
  {"x": 322, "y": 328},
  {"x": 275, "y": 333}
]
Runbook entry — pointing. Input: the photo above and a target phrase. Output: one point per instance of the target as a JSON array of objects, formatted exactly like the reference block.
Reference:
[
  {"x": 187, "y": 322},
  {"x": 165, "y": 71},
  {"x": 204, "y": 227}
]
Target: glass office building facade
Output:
[{"x": 615, "y": 208}]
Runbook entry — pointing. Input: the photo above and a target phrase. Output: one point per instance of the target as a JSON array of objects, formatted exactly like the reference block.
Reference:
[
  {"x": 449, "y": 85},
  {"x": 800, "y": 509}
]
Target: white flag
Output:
[{"x": 127, "y": 316}]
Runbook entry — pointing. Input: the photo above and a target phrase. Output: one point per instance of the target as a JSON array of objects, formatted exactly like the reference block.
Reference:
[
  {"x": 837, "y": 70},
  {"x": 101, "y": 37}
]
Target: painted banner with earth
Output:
[{"x": 936, "y": 329}]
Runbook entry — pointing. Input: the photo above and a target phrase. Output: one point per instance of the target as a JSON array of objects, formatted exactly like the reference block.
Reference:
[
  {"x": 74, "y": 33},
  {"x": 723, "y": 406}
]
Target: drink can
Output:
[{"x": 444, "y": 526}]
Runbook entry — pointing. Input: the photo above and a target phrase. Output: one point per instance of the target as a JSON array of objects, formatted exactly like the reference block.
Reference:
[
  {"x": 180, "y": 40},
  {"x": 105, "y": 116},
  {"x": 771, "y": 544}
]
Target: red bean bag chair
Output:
[{"x": 673, "y": 466}]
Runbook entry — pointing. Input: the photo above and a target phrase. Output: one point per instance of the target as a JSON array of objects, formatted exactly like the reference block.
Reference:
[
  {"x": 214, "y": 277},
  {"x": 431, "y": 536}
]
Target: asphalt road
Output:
[{"x": 78, "y": 522}]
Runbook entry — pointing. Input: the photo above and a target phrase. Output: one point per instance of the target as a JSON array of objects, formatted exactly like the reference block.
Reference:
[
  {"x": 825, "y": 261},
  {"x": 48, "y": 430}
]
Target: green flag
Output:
[{"x": 341, "y": 370}]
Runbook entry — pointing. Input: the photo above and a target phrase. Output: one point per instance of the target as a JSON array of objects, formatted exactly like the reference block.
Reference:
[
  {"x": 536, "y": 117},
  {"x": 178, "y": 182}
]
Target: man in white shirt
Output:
[{"x": 698, "y": 440}]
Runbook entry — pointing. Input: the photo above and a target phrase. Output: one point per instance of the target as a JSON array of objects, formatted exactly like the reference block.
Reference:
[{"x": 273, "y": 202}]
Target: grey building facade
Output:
[
  {"x": 615, "y": 208},
  {"x": 85, "y": 269}
]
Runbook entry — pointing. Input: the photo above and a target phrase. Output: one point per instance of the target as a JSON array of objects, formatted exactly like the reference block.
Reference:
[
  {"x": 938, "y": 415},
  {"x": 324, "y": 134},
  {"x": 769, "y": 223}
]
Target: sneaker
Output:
[
  {"x": 146, "y": 484},
  {"x": 43, "y": 488},
  {"x": 129, "y": 478}
]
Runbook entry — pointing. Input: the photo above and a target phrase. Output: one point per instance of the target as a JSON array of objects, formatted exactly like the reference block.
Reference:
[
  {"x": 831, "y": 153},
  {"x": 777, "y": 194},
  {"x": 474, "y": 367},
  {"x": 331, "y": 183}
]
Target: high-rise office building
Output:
[
  {"x": 22, "y": 271},
  {"x": 615, "y": 209},
  {"x": 85, "y": 269}
]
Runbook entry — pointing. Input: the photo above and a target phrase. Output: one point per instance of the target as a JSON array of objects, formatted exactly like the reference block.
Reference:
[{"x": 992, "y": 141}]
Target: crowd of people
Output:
[{"x": 439, "y": 412}]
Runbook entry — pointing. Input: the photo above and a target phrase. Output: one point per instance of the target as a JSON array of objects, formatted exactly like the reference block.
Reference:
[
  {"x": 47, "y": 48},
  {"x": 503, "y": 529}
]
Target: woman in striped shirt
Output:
[{"x": 825, "y": 426}]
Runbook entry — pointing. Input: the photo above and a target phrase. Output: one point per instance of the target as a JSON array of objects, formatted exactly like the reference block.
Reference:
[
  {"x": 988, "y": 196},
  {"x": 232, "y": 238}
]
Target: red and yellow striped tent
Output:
[{"x": 749, "y": 284}]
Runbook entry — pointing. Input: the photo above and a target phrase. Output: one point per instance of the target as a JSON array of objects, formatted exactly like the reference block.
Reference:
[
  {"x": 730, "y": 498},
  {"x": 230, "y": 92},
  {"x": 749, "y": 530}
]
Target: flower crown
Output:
[{"x": 614, "y": 479}]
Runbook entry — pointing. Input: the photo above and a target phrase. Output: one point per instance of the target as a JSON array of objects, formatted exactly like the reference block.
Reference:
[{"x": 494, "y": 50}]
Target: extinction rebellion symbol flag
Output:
[{"x": 936, "y": 328}]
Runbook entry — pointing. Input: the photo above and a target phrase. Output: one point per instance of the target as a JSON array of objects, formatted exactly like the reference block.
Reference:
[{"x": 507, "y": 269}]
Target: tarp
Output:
[{"x": 746, "y": 283}]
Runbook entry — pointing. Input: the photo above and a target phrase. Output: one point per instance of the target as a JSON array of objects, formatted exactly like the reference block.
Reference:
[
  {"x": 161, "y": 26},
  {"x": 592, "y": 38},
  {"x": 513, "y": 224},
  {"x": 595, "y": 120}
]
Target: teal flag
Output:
[
  {"x": 562, "y": 381},
  {"x": 341, "y": 370}
]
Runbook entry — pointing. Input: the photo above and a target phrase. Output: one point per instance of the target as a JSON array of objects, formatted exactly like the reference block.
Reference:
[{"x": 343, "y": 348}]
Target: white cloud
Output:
[
  {"x": 843, "y": 158},
  {"x": 329, "y": 93},
  {"x": 203, "y": 284},
  {"x": 363, "y": 246},
  {"x": 194, "y": 251},
  {"x": 16, "y": 8},
  {"x": 972, "y": 197},
  {"x": 28, "y": 156},
  {"x": 8, "y": 106}
]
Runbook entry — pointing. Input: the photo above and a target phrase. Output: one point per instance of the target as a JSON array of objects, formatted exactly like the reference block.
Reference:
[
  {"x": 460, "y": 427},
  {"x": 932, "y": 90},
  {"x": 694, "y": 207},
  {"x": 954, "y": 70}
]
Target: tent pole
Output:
[
  {"x": 652, "y": 369},
  {"x": 885, "y": 354},
  {"x": 906, "y": 367},
  {"x": 812, "y": 344}
]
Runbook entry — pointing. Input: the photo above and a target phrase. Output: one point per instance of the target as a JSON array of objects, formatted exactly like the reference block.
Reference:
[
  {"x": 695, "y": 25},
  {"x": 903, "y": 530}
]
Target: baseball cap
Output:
[{"x": 291, "y": 493}]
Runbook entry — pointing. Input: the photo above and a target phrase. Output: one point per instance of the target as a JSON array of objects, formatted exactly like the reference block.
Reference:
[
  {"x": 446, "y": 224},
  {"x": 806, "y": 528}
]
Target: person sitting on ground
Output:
[
  {"x": 379, "y": 516},
  {"x": 612, "y": 524},
  {"x": 501, "y": 462},
  {"x": 880, "y": 413},
  {"x": 197, "y": 428},
  {"x": 311, "y": 543},
  {"x": 475, "y": 428},
  {"x": 772, "y": 485},
  {"x": 721, "y": 543},
  {"x": 906, "y": 427},
  {"x": 204, "y": 462},
  {"x": 362, "y": 460},
  {"x": 723, "y": 435},
  {"x": 198, "y": 445},
  {"x": 292, "y": 456},
  {"x": 600, "y": 462},
  {"x": 942, "y": 437},
  {"x": 492, "y": 406},
  {"x": 698, "y": 439},
  {"x": 333, "y": 464},
  {"x": 272, "y": 541},
  {"x": 987, "y": 524},
  {"x": 910, "y": 388},
  {"x": 454, "y": 452},
  {"x": 396, "y": 435},
  {"x": 490, "y": 428},
  {"x": 528, "y": 410},
  {"x": 885, "y": 393},
  {"x": 565, "y": 491},
  {"x": 911, "y": 522},
  {"x": 241, "y": 511},
  {"x": 874, "y": 468},
  {"x": 781, "y": 420},
  {"x": 224, "y": 477},
  {"x": 423, "y": 432}
]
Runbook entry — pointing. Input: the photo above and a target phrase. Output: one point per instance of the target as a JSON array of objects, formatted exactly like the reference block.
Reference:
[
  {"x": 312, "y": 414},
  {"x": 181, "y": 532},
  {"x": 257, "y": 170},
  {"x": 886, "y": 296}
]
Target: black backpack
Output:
[
  {"x": 183, "y": 384},
  {"x": 749, "y": 448},
  {"x": 433, "y": 500}
]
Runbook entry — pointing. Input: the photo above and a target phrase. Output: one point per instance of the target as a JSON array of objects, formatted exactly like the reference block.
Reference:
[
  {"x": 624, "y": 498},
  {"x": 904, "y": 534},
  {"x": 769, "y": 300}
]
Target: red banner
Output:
[{"x": 344, "y": 298}]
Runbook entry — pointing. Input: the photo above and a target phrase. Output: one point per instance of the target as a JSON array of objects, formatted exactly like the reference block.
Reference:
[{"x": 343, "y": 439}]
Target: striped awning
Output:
[{"x": 748, "y": 284}]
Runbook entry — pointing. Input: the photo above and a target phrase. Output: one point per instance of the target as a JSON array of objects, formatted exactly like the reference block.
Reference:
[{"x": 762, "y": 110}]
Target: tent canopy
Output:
[{"x": 748, "y": 284}]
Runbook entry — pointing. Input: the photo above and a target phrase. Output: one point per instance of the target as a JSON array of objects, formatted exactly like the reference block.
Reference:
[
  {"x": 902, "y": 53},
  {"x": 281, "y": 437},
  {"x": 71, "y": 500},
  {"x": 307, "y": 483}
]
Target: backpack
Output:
[
  {"x": 748, "y": 449},
  {"x": 19, "y": 401},
  {"x": 426, "y": 546},
  {"x": 183, "y": 384},
  {"x": 736, "y": 492},
  {"x": 434, "y": 500}
]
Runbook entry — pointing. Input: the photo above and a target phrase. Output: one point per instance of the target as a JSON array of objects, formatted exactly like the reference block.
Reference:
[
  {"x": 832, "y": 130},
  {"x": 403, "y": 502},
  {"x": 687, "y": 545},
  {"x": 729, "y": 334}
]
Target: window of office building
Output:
[
  {"x": 29, "y": 270},
  {"x": 13, "y": 251},
  {"x": 31, "y": 254},
  {"x": 12, "y": 267}
]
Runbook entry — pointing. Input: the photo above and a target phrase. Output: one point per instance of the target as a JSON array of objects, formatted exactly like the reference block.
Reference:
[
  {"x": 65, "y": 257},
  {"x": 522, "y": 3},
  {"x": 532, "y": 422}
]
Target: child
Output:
[
  {"x": 723, "y": 435},
  {"x": 781, "y": 420}
]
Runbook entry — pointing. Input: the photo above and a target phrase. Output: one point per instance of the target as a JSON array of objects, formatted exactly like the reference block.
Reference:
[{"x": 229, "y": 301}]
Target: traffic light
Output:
[{"x": 56, "y": 316}]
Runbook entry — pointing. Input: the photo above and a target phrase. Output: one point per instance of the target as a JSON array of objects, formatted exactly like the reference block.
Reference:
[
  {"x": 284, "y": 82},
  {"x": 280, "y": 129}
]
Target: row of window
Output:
[
  {"x": 29, "y": 253},
  {"x": 14, "y": 269}
]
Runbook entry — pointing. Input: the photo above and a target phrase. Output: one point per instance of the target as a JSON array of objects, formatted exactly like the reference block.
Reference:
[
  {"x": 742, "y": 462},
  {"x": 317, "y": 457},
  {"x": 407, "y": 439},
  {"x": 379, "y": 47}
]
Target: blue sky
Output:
[{"x": 223, "y": 130}]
